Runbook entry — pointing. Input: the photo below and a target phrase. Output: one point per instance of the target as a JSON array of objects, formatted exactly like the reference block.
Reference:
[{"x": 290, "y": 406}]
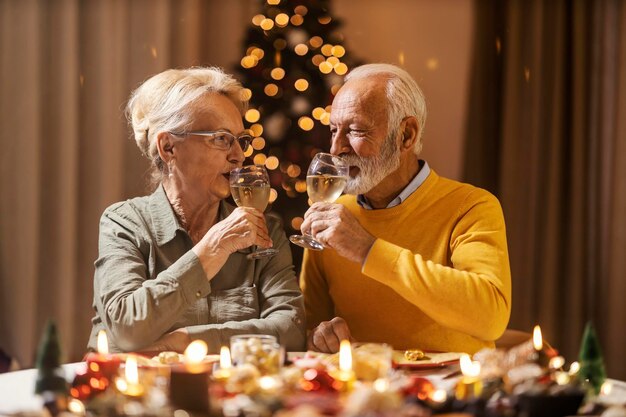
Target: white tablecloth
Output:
[{"x": 17, "y": 389}]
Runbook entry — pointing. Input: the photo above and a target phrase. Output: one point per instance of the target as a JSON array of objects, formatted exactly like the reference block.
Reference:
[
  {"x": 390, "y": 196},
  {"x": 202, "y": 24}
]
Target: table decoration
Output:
[
  {"x": 51, "y": 384},
  {"x": 262, "y": 351},
  {"x": 344, "y": 376},
  {"x": 101, "y": 363},
  {"x": 189, "y": 382}
]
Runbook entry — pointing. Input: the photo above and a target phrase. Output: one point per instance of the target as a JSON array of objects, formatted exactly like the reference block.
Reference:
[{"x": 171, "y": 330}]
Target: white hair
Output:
[
  {"x": 164, "y": 103},
  {"x": 403, "y": 94}
]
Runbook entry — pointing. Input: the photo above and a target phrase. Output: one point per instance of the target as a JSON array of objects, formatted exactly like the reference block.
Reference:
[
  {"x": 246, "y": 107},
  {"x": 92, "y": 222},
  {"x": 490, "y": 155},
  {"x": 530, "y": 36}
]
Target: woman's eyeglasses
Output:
[{"x": 219, "y": 139}]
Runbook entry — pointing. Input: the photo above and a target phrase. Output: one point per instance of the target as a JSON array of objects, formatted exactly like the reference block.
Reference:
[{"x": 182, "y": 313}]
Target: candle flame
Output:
[
  {"x": 132, "y": 375},
  {"x": 103, "y": 343},
  {"x": 469, "y": 367},
  {"x": 537, "y": 338},
  {"x": 196, "y": 351},
  {"x": 439, "y": 395},
  {"x": 345, "y": 356},
  {"x": 225, "y": 360}
]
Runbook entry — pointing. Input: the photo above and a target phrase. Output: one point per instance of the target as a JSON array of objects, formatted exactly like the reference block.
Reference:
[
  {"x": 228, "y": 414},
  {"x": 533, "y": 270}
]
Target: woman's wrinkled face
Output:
[{"x": 202, "y": 169}]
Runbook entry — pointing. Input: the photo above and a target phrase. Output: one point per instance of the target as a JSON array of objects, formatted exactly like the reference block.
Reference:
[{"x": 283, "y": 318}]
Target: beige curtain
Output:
[
  {"x": 66, "y": 70},
  {"x": 547, "y": 134}
]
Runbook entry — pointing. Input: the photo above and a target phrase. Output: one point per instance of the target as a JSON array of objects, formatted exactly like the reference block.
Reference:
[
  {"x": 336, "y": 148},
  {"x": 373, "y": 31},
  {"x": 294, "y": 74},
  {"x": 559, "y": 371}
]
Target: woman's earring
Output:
[{"x": 170, "y": 168}]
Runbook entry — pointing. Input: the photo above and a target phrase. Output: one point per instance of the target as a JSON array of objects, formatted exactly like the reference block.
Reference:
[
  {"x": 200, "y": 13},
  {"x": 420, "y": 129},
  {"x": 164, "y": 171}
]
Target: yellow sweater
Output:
[{"x": 437, "y": 277}]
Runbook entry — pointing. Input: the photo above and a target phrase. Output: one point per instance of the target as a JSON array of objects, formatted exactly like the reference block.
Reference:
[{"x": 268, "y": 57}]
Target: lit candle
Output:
[
  {"x": 345, "y": 375},
  {"x": 225, "y": 370},
  {"x": 129, "y": 385},
  {"x": 537, "y": 338},
  {"x": 189, "y": 383},
  {"x": 102, "y": 363},
  {"x": 469, "y": 385},
  {"x": 541, "y": 358}
]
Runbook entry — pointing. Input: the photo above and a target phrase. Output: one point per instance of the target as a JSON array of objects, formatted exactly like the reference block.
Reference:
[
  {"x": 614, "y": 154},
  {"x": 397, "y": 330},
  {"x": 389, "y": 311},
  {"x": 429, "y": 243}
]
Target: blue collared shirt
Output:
[{"x": 408, "y": 190}]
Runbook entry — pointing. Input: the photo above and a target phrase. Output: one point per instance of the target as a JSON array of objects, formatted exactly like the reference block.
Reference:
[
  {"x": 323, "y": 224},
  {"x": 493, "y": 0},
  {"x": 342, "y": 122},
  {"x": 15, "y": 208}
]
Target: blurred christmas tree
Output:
[
  {"x": 51, "y": 384},
  {"x": 591, "y": 359},
  {"x": 293, "y": 65}
]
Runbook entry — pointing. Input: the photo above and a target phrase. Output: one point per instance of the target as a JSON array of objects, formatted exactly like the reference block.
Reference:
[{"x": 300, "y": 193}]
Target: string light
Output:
[
  {"x": 257, "y": 52},
  {"x": 325, "y": 67},
  {"x": 327, "y": 49},
  {"x": 306, "y": 123},
  {"x": 301, "y": 84},
  {"x": 258, "y": 143},
  {"x": 271, "y": 163},
  {"x": 257, "y": 19},
  {"x": 294, "y": 170},
  {"x": 324, "y": 20},
  {"x": 340, "y": 69},
  {"x": 300, "y": 186},
  {"x": 277, "y": 73},
  {"x": 336, "y": 87},
  {"x": 338, "y": 51},
  {"x": 248, "y": 152},
  {"x": 296, "y": 222},
  {"x": 301, "y": 49},
  {"x": 317, "y": 112},
  {"x": 296, "y": 20},
  {"x": 273, "y": 2},
  {"x": 245, "y": 94},
  {"x": 316, "y": 42},
  {"x": 325, "y": 119},
  {"x": 282, "y": 19},
  {"x": 301, "y": 10},
  {"x": 256, "y": 129},
  {"x": 253, "y": 115},
  {"x": 271, "y": 89},
  {"x": 267, "y": 24},
  {"x": 259, "y": 159},
  {"x": 318, "y": 59},
  {"x": 333, "y": 60},
  {"x": 273, "y": 195}
]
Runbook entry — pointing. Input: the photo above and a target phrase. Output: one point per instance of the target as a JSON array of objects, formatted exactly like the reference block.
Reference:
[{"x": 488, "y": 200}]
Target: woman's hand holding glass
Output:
[
  {"x": 326, "y": 178},
  {"x": 250, "y": 188}
]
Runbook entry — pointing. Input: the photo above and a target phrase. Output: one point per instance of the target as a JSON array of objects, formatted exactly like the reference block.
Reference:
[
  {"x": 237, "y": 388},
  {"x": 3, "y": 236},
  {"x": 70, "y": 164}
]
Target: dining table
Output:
[{"x": 18, "y": 398}]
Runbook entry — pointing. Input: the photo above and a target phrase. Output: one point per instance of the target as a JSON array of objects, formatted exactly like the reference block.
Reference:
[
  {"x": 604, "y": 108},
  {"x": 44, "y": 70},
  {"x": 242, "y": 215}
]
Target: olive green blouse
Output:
[{"x": 148, "y": 282}]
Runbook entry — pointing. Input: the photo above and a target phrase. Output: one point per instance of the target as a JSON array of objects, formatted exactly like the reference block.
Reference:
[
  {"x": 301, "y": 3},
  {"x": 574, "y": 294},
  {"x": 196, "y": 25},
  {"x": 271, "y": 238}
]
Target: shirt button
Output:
[{"x": 198, "y": 294}]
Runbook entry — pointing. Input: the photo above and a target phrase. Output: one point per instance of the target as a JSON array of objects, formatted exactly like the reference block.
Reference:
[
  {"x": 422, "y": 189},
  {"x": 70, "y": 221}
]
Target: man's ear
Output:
[
  {"x": 165, "y": 146},
  {"x": 410, "y": 132}
]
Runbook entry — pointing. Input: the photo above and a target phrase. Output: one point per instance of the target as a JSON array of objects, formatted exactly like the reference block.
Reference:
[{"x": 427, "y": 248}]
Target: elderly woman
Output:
[{"x": 172, "y": 266}]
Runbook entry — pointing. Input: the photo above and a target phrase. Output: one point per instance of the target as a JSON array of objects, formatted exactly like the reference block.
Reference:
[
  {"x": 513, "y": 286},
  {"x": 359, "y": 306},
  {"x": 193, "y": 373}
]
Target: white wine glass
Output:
[
  {"x": 325, "y": 180},
  {"x": 250, "y": 187}
]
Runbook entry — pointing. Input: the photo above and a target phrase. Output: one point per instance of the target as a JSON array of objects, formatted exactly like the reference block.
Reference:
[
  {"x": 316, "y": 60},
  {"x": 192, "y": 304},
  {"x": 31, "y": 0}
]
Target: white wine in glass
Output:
[
  {"x": 325, "y": 180},
  {"x": 250, "y": 187}
]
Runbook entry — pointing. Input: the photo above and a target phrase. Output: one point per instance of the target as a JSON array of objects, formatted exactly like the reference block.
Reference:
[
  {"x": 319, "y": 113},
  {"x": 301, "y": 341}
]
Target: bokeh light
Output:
[
  {"x": 271, "y": 89},
  {"x": 278, "y": 73},
  {"x": 271, "y": 163},
  {"x": 301, "y": 84},
  {"x": 306, "y": 123},
  {"x": 253, "y": 115}
]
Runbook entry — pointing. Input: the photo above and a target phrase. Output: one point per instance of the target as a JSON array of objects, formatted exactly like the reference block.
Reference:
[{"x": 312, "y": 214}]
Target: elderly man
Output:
[{"x": 411, "y": 258}]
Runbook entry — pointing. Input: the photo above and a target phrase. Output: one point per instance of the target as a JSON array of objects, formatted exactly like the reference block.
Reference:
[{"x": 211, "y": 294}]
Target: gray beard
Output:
[{"x": 373, "y": 169}]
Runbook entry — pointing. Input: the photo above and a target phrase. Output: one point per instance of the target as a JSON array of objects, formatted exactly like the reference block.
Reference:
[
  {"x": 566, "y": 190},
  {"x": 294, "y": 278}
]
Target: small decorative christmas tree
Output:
[
  {"x": 591, "y": 359},
  {"x": 51, "y": 384}
]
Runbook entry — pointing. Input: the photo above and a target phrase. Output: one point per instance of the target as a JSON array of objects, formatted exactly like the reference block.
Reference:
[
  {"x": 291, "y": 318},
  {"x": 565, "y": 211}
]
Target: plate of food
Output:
[{"x": 419, "y": 359}]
